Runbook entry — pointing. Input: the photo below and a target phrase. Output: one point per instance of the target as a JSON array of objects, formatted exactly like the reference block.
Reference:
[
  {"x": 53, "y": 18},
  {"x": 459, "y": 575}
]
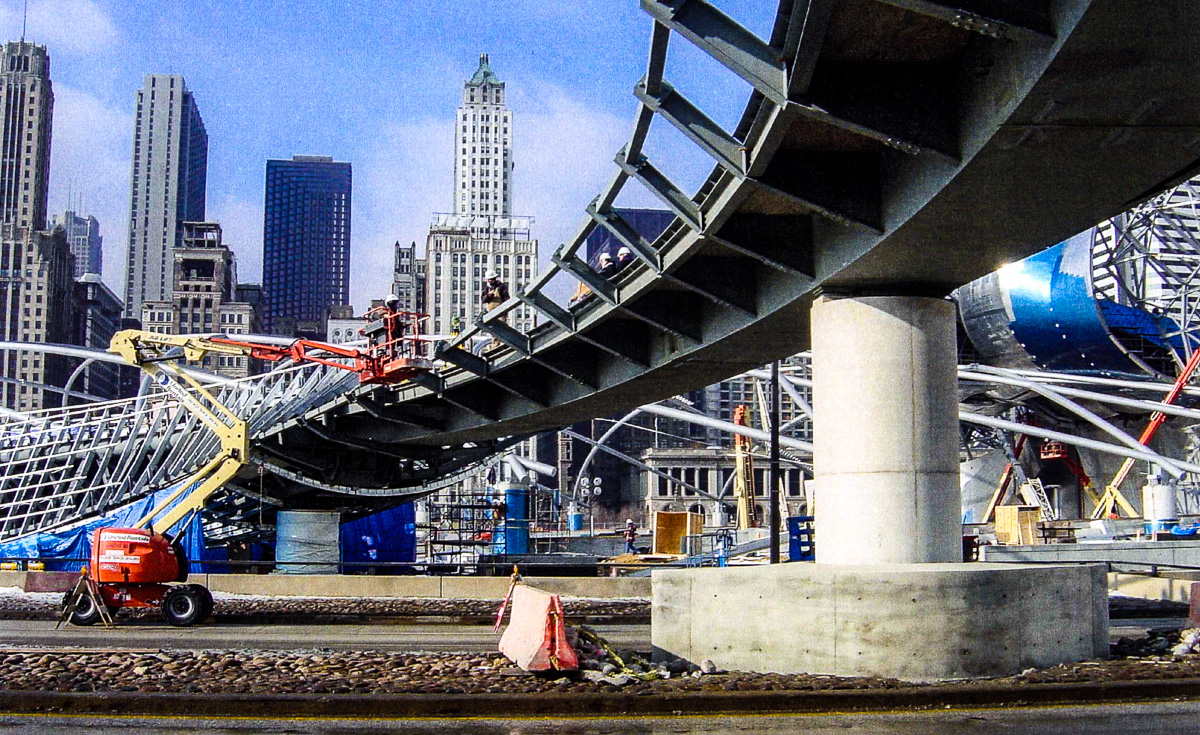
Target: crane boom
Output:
[
  {"x": 393, "y": 356},
  {"x": 150, "y": 352}
]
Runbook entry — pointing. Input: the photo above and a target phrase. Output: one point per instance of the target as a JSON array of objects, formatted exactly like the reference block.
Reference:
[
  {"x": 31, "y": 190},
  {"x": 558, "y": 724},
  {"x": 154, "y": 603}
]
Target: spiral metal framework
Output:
[
  {"x": 1149, "y": 257},
  {"x": 887, "y": 147}
]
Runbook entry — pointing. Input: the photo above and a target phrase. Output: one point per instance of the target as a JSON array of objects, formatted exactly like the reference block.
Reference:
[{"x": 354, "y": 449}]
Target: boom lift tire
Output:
[
  {"x": 206, "y": 601},
  {"x": 183, "y": 606},
  {"x": 86, "y": 612}
]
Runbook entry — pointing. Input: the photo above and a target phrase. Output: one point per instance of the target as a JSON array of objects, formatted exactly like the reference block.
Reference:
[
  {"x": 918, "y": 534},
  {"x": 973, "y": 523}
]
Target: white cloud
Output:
[
  {"x": 398, "y": 185},
  {"x": 70, "y": 25},
  {"x": 563, "y": 152},
  {"x": 89, "y": 161}
]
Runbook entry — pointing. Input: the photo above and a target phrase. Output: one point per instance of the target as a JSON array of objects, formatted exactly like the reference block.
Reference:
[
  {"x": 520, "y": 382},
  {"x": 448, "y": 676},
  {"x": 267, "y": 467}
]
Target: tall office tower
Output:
[
  {"x": 306, "y": 242},
  {"x": 170, "y": 170},
  {"x": 408, "y": 278},
  {"x": 480, "y": 234},
  {"x": 83, "y": 234},
  {"x": 483, "y": 166},
  {"x": 37, "y": 299},
  {"x": 28, "y": 107}
]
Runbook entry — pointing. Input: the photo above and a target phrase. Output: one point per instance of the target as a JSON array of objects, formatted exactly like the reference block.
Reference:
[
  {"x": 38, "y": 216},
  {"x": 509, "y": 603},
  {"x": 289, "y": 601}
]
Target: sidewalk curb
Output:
[{"x": 582, "y": 705}]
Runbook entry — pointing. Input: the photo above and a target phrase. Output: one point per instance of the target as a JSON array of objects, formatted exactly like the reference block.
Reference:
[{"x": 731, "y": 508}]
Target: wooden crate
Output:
[{"x": 1017, "y": 524}]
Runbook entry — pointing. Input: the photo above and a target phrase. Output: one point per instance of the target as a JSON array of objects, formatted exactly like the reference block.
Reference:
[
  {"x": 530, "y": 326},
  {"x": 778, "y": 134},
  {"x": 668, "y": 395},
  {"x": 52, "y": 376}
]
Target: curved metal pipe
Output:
[
  {"x": 1000, "y": 375},
  {"x": 1079, "y": 441},
  {"x": 77, "y": 372}
]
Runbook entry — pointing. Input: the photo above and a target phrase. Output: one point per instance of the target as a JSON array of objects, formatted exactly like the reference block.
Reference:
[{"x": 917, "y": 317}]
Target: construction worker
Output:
[
  {"x": 605, "y": 266},
  {"x": 624, "y": 257},
  {"x": 395, "y": 324},
  {"x": 495, "y": 292},
  {"x": 630, "y": 536}
]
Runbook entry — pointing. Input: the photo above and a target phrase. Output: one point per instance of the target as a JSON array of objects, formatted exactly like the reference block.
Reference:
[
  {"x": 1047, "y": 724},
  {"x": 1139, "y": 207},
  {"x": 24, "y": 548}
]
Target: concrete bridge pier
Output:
[{"x": 888, "y": 595}]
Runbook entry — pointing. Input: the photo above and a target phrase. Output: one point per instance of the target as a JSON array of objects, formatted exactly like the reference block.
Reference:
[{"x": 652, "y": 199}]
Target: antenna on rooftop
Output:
[{"x": 24, "y": 18}]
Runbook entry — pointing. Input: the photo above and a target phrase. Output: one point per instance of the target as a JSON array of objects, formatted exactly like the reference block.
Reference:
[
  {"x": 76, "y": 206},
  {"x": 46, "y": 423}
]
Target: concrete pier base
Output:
[{"x": 919, "y": 622}]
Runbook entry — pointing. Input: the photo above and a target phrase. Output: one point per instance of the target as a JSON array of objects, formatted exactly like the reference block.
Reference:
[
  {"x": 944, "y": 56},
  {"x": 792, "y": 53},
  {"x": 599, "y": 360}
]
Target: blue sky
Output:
[{"x": 373, "y": 83}]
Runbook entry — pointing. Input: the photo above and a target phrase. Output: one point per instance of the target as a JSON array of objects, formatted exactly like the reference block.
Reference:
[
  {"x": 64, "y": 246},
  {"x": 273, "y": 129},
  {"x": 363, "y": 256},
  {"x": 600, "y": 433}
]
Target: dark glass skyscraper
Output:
[{"x": 306, "y": 240}]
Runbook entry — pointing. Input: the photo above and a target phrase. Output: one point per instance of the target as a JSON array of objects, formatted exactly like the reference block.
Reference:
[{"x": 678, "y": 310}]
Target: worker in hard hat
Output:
[
  {"x": 624, "y": 258},
  {"x": 395, "y": 323},
  {"x": 495, "y": 292},
  {"x": 630, "y": 536},
  {"x": 605, "y": 266}
]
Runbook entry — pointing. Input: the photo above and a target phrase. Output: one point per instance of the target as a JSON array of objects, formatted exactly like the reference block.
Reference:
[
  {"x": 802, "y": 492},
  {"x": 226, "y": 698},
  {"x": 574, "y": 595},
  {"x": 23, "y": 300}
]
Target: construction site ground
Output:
[{"x": 380, "y": 683}]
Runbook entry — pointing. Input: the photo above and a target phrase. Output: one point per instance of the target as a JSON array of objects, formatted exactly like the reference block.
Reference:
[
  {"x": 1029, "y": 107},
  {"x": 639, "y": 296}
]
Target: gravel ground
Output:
[
  {"x": 297, "y": 672},
  {"x": 324, "y": 672}
]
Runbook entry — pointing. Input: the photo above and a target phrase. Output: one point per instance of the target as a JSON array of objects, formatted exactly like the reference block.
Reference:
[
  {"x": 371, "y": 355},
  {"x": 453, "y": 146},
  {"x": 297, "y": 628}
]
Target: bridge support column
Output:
[
  {"x": 885, "y": 430},
  {"x": 888, "y": 595}
]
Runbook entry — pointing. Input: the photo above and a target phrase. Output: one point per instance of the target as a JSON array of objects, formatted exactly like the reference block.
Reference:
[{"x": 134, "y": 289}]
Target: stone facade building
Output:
[
  {"x": 408, "y": 278},
  {"x": 710, "y": 470},
  {"x": 480, "y": 233},
  {"x": 204, "y": 273},
  {"x": 27, "y": 103},
  {"x": 37, "y": 290}
]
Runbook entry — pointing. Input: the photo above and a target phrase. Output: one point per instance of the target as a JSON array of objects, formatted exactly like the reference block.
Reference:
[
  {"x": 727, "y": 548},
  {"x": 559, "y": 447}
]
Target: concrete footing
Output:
[{"x": 919, "y": 622}]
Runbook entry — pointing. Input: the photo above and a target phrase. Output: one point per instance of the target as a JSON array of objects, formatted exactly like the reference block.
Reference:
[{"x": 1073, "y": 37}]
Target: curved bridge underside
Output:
[{"x": 888, "y": 147}]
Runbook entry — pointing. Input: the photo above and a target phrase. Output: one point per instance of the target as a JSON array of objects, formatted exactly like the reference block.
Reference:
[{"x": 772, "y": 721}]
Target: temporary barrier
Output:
[
  {"x": 309, "y": 536},
  {"x": 536, "y": 637}
]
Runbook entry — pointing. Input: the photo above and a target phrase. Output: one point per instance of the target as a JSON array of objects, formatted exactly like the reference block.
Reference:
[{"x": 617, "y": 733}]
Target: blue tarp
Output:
[
  {"x": 387, "y": 536},
  {"x": 76, "y": 543}
]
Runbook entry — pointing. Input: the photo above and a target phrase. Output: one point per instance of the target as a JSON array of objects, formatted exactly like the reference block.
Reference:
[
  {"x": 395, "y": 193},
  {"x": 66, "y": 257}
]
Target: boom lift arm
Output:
[
  {"x": 150, "y": 352},
  {"x": 394, "y": 355}
]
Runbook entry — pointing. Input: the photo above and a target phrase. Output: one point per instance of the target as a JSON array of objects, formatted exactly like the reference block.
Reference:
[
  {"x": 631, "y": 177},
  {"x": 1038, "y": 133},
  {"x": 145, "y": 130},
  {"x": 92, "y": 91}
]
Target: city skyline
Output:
[{"x": 389, "y": 114}]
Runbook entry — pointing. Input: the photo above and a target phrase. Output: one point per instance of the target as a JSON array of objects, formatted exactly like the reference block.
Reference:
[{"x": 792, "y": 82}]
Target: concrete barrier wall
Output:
[
  {"x": 1175, "y": 587},
  {"x": 357, "y": 585},
  {"x": 322, "y": 585}
]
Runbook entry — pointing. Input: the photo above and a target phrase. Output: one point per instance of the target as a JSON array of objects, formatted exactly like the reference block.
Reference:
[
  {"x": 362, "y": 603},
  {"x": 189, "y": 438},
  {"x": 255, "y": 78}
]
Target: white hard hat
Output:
[
  {"x": 604, "y": 257},
  {"x": 623, "y": 251},
  {"x": 629, "y": 520},
  {"x": 491, "y": 273},
  {"x": 391, "y": 299}
]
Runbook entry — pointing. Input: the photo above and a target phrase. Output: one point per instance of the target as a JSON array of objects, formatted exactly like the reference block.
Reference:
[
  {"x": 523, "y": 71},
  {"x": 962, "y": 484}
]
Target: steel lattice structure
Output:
[{"x": 1149, "y": 257}]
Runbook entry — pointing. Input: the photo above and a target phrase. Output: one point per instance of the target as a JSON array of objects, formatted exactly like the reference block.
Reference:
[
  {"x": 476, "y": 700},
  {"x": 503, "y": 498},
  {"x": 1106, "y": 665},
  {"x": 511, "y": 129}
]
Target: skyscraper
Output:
[
  {"x": 483, "y": 167},
  {"x": 83, "y": 234},
  {"x": 167, "y": 185},
  {"x": 480, "y": 234},
  {"x": 306, "y": 240},
  {"x": 37, "y": 301},
  {"x": 28, "y": 107}
]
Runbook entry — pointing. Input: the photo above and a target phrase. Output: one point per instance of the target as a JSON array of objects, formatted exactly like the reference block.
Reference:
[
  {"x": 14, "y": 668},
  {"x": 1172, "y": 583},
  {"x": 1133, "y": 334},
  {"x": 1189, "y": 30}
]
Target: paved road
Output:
[
  {"x": 1144, "y": 719},
  {"x": 41, "y": 633}
]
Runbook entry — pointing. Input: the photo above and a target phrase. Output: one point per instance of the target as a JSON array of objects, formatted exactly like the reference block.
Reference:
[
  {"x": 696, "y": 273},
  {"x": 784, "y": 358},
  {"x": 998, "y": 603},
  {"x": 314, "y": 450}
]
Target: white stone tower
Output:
[{"x": 483, "y": 140}]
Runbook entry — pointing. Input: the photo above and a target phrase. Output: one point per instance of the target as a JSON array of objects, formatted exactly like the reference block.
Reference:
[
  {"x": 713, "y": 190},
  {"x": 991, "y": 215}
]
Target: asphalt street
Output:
[
  {"x": 1144, "y": 719},
  {"x": 399, "y": 637}
]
